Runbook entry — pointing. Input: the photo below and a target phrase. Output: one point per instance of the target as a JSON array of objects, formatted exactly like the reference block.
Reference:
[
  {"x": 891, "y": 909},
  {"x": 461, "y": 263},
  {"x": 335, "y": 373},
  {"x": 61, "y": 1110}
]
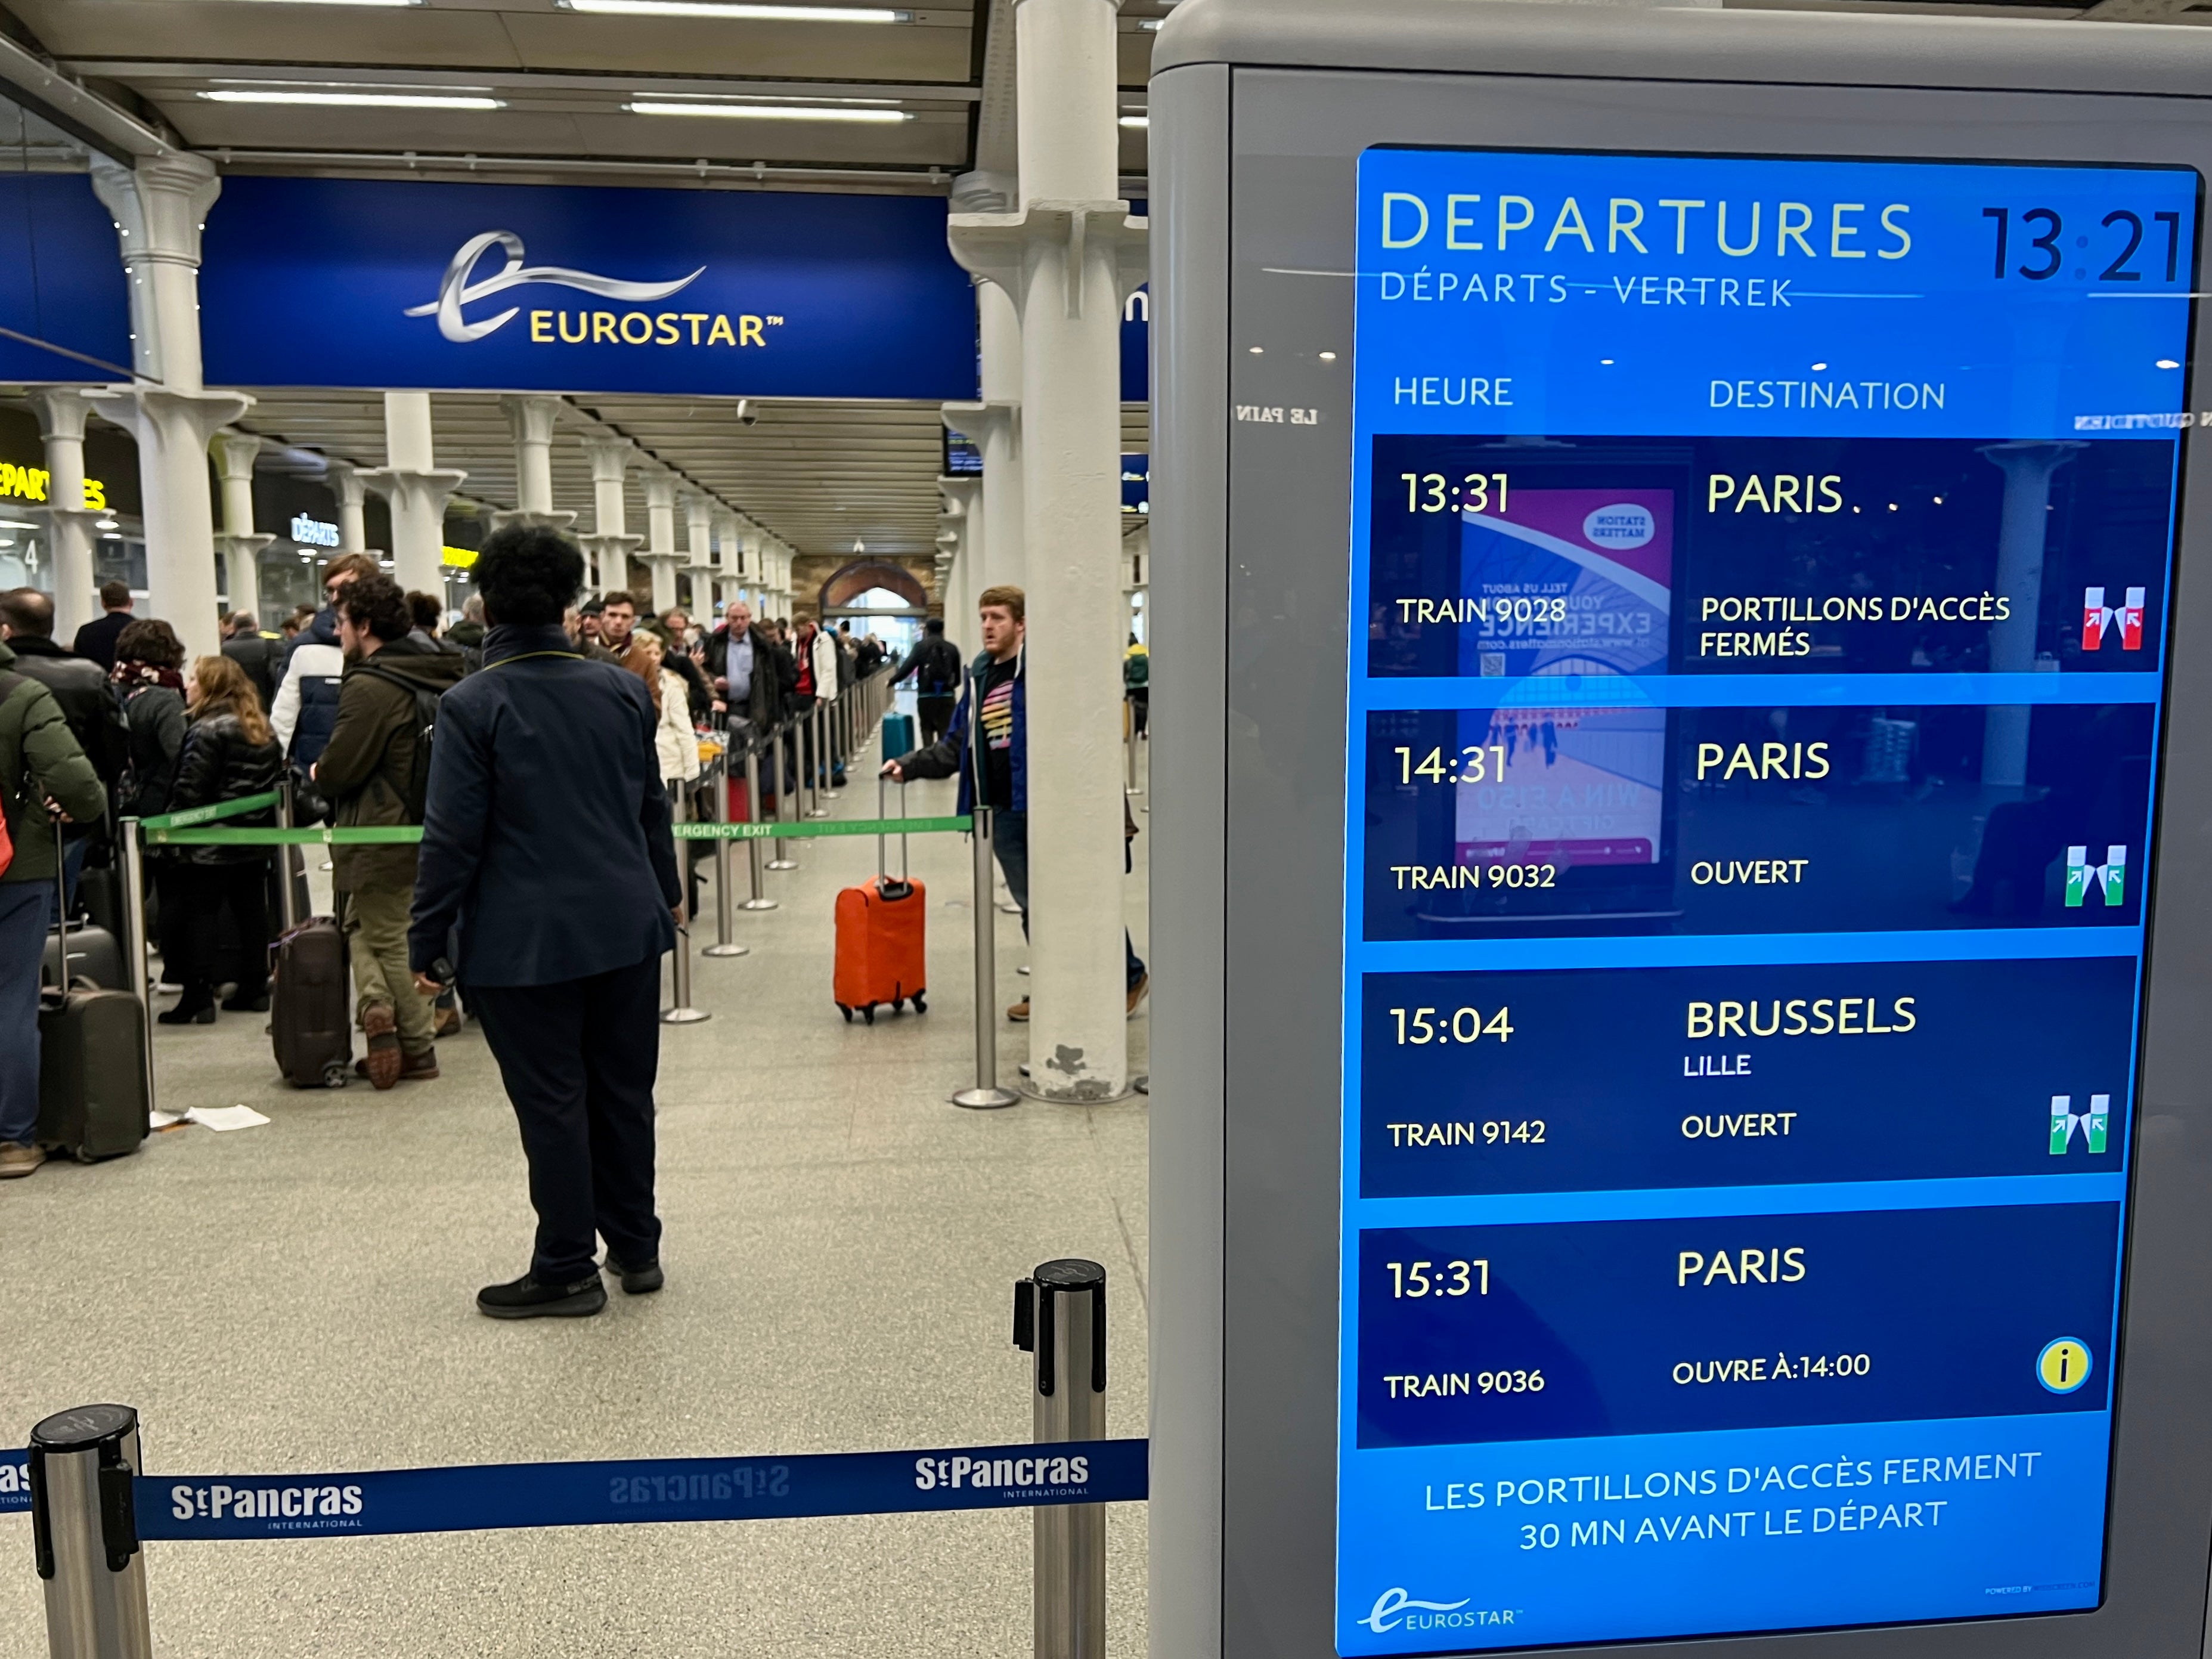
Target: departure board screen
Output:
[{"x": 1754, "y": 737}]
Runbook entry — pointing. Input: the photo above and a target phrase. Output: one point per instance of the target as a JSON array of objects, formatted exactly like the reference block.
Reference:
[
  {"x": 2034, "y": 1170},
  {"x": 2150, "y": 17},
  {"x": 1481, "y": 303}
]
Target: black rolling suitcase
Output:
[
  {"x": 310, "y": 1016},
  {"x": 94, "y": 1093}
]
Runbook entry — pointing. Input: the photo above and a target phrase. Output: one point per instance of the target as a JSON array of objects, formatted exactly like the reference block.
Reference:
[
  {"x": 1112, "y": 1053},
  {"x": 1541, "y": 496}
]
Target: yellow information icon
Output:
[{"x": 2063, "y": 1366}]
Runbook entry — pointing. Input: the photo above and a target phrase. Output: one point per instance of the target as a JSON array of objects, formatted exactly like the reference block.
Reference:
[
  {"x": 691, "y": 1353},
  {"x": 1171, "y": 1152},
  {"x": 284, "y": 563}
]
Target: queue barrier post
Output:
[
  {"x": 987, "y": 1095},
  {"x": 726, "y": 865},
  {"x": 817, "y": 768},
  {"x": 1059, "y": 1316},
  {"x": 754, "y": 856},
  {"x": 138, "y": 950},
  {"x": 84, "y": 1533},
  {"x": 684, "y": 1013},
  {"x": 783, "y": 751}
]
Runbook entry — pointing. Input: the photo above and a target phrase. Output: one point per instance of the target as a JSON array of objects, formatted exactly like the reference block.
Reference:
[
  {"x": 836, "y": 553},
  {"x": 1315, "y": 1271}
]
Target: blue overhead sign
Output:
[
  {"x": 61, "y": 283},
  {"x": 1764, "y": 567},
  {"x": 347, "y": 283}
]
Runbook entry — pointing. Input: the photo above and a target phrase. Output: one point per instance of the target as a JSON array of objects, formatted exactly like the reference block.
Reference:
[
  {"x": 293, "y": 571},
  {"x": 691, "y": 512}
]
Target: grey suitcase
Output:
[
  {"x": 93, "y": 957},
  {"x": 95, "y": 1095}
]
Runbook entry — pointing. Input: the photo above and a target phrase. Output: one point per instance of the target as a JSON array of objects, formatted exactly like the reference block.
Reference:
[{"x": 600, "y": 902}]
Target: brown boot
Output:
[
  {"x": 382, "y": 1026},
  {"x": 419, "y": 1069},
  {"x": 1020, "y": 1012}
]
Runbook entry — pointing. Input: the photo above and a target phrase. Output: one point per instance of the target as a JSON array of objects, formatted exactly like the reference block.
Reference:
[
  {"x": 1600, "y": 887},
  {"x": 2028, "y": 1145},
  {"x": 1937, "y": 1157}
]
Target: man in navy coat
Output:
[{"x": 546, "y": 842}]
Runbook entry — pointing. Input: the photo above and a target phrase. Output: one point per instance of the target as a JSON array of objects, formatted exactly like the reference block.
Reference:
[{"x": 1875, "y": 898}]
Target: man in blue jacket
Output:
[
  {"x": 990, "y": 750},
  {"x": 546, "y": 841}
]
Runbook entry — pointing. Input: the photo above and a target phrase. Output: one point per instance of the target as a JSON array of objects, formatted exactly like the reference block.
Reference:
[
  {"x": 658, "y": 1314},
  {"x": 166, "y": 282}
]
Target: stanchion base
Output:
[
  {"x": 1136, "y": 788},
  {"x": 765, "y": 904},
  {"x": 774, "y": 864},
  {"x": 985, "y": 1100},
  {"x": 727, "y": 951},
  {"x": 683, "y": 1016}
]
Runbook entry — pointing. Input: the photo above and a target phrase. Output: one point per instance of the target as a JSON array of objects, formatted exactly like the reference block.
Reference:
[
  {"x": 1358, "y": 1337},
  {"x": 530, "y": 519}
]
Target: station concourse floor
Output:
[{"x": 841, "y": 1247}]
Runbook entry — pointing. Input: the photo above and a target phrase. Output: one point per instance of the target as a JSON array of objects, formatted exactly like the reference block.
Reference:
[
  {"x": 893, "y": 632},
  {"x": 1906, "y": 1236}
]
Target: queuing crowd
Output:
[
  {"x": 121, "y": 723},
  {"x": 538, "y": 742}
]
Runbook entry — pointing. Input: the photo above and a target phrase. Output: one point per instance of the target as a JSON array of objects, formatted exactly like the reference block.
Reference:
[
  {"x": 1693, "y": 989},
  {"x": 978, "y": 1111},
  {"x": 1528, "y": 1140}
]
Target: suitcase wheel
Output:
[
  {"x": 898, "y": 1004},
  {"x": 336, "y": 1074},
  {"x": 868, "y": 1013},
  {"x": 847, "y": 1012},
  {"x": 919, "y": 1007}
]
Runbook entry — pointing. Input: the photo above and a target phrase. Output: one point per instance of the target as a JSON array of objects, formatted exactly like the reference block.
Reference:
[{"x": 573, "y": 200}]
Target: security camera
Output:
[{"x": 748, "y": 414}]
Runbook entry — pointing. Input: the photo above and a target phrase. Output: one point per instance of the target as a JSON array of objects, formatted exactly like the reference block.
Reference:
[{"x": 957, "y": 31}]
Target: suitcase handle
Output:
[{"x": 883, "y": 862}]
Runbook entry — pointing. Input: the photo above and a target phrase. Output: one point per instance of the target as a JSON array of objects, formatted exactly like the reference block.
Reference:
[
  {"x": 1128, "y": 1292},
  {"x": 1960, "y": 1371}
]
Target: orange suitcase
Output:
[{"x": 880, "y": 931}]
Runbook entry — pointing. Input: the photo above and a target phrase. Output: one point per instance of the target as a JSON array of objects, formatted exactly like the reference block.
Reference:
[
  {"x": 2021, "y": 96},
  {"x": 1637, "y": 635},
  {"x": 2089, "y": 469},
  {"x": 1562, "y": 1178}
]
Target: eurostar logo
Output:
[
  {"x": 457, "y": 291},
  {"x": 1390, "y": 1608}
]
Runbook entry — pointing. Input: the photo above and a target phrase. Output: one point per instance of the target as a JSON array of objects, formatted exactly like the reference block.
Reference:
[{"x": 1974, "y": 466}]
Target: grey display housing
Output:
[{"x": 1260, "y": 109}]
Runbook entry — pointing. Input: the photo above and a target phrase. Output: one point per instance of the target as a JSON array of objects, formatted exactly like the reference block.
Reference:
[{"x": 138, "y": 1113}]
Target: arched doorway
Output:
[{"x": 877, "y": 597}]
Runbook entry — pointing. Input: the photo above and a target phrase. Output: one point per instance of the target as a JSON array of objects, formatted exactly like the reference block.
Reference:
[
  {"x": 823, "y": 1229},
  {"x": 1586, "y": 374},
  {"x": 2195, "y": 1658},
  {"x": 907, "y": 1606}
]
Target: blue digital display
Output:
[{"x": 1755, "y": 725}]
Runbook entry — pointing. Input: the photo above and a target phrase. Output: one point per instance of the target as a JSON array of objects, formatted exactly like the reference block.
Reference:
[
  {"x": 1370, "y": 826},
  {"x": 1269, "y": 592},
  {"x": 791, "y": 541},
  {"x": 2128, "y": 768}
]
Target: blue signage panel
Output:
[
  {"x": 61, "y": 283},
  {"x": 345, "y": 282},
  {"x": 1765, "y": 569}
]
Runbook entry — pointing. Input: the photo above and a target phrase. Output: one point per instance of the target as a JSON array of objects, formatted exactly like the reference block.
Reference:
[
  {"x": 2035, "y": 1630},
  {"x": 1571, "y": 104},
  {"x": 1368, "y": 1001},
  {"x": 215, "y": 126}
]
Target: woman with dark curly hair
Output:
[{"x": 148, "y": 681}]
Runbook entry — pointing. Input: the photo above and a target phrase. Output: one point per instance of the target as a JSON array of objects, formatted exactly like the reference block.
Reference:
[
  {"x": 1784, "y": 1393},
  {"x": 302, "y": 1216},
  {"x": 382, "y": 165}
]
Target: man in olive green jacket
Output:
[
  {"x": 40, "y": 761},
  {"x": 368, "y": 773}
]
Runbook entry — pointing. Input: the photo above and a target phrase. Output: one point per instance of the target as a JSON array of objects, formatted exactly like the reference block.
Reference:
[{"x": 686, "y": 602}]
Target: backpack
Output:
[
  {"x": 1137, "y": 671},
  {"x": 8, "y": 682},
  {"x": 426, "y": 728}
]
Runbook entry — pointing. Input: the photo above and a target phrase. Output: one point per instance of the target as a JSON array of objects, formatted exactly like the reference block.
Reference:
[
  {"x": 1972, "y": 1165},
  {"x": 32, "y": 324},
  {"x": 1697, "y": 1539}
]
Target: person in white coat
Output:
[{"x": 676, "y": 743}]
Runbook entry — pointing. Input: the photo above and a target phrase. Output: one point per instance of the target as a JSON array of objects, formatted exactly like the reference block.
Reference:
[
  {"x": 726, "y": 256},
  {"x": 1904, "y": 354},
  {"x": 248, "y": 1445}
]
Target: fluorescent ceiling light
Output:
[
  {"x": 740, "y": 11},
  {"x": 353, "y": 100},
  {"x": 1136, "y": 121},
  {"x": 771, "y": 111},
  {"x": 356, "y": 3}
]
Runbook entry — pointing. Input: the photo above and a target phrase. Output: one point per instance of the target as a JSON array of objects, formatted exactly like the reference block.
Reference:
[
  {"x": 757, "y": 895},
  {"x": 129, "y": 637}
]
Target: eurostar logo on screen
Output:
[{"x": 548, "y": 326}]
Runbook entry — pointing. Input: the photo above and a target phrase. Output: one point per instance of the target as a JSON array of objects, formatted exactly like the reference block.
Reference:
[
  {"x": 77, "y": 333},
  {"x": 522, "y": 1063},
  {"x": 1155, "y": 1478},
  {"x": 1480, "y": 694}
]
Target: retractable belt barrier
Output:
[
  {"x": 367, "y": 835},
  {"x": 93, "y": 1508},
  {"x": 222, "y": 809},
  {"x": 493, "y": 1496}
]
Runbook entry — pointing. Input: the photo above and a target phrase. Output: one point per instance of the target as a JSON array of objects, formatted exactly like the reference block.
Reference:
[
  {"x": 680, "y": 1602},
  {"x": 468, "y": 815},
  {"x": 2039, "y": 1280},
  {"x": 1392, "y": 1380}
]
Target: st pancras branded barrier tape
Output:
[{"x": 493, "y": 1496}]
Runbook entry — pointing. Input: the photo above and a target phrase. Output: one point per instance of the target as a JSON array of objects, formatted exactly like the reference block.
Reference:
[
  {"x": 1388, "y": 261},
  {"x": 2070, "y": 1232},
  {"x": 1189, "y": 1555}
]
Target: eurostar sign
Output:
[{"x": 375, "y": 284}]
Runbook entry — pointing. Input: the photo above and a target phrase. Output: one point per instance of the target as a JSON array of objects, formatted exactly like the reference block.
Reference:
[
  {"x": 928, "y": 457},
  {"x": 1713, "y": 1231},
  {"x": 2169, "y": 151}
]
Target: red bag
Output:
[{"x": 880, "y": 939}]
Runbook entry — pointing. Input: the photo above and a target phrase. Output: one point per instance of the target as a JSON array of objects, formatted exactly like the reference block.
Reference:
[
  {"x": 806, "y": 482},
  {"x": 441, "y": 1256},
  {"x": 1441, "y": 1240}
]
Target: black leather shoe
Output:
[
  {"x": 526, "y": 1298},
  {"x": 636, "y": 1281}
]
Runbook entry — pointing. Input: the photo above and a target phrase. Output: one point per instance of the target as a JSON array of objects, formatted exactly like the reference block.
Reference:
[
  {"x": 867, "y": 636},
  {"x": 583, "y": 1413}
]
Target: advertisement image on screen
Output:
[{"x": 1765, "y": 568}]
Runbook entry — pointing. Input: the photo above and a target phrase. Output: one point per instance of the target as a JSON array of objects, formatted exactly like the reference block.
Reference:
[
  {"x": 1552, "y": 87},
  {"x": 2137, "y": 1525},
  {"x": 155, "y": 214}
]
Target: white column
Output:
[
  {"x": 741, "y": 556},
  {"x": 1066, "y": 257},
  {"x": 417, "y": 489},
  {"x": 966, "y": 502},
  {"x": 61, "y": 413},
  {"x": 239, "y": 543},
  {"x": 660, "y": 555},
  {"x": 699, "y": 556},
  {"x": 995, "y": 422},
  {"x": 352, "y": 495},
  {"x": 2023, "y": 522},
  {"x": 532, "y": 420},
  {"x": 158, "y": 207},
  {"x": 609, "y": 544}
]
